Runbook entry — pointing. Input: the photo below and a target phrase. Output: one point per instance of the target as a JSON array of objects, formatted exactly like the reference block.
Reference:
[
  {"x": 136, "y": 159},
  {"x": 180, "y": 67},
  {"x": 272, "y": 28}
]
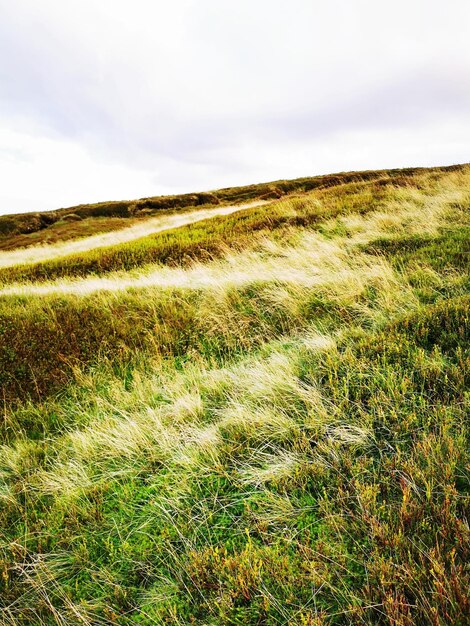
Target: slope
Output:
[{"x": 257, "y": 419}]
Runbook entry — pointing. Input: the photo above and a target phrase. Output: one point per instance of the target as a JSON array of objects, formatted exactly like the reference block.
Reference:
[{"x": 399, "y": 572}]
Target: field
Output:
[{"x": 256, "y": 418}]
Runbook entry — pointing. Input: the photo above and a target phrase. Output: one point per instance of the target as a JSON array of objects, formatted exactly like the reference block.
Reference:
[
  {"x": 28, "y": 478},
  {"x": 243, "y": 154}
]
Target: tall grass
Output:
[
  {"x": 29, "y": 228},
  {"x": 285, "y": 443},
  {"x": 209, "y": 239},
  {"x": 137, "y": 230}
]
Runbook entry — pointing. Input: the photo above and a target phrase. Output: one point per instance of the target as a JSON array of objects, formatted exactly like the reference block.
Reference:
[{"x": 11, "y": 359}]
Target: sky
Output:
[{"x": 121, "y": 99}]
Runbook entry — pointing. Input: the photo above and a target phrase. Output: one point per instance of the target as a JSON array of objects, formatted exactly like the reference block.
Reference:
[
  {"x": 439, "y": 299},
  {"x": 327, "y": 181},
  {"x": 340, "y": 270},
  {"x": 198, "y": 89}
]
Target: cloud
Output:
[{"x": 190, "y": 94}]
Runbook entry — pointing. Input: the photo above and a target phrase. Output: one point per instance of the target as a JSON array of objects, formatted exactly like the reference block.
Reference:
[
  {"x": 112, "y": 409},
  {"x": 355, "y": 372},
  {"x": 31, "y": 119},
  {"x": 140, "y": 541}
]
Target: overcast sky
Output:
[{"x": 113, "y": 99}]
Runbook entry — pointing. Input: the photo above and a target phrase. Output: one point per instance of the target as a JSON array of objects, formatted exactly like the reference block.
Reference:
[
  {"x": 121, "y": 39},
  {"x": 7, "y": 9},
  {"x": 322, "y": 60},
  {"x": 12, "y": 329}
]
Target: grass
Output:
[
  {"x": 208, "y": 239},
  {"x": 136, "y": 231},
  {"x": 26, "y": 229},
  {"x": 203, "y": 240},
  {"x": 278, "y": 435},
  {"x": 62, "y": 231}
]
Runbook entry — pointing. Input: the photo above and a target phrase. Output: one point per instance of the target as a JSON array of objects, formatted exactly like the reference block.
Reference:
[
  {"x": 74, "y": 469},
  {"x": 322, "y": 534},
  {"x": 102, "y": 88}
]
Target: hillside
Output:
[
  {"x": 29, "y": 229},
  {"x": 247, "y": 406}
]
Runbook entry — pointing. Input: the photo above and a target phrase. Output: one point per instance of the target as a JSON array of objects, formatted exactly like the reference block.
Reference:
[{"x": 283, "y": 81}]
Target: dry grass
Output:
[
  {"x": 276, "y": 436},
  {"x": 142, "y": 228},
  {"x": 408, "y": 211}
]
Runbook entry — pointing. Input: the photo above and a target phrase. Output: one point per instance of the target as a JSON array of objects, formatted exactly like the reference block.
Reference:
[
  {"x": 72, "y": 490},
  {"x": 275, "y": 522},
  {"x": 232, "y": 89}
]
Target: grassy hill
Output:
[
  {"x": 26, "y": 229},
  {"x": 260, "y": 418}
]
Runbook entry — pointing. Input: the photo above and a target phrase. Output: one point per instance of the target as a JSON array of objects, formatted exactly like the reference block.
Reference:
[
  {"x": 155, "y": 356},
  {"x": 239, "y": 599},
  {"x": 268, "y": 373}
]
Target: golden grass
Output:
[
  {"x": 314, "y": 475},
  {"x": 149, "y": 226},
  {"x": 408, "y": 212}
]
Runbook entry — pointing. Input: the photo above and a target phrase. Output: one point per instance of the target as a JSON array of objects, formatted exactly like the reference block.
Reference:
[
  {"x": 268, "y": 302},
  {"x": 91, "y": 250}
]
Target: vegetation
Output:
[
  {"x": 26, "y": 229},
  {"x": 269, "y": 425},
  {"x": 63, "y": 230}
]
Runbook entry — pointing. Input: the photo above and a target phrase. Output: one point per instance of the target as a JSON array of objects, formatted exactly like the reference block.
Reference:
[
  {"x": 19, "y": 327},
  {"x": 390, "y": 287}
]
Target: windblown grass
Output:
[
  {"x": 209, "y": 239},
  {"x": 141, "y": 228},
  {"x": 276, "y": 436},
  {"x": 86, "y": 219}
]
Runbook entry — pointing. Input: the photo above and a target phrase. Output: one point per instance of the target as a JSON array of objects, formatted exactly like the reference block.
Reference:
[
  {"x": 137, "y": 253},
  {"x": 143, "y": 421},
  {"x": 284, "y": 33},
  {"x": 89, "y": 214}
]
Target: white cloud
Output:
[
  {"x": 40, "y": 173},
  {"x": 116, "y": 98}
]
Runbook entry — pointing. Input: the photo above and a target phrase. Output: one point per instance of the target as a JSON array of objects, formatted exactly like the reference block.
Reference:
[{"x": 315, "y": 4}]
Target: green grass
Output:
[
  {"x": 32, "y": 228},
  {"x": 278, "y": 451},
  {"x": 62, "y": 230},
  {"x": 206, "y": 239}
]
